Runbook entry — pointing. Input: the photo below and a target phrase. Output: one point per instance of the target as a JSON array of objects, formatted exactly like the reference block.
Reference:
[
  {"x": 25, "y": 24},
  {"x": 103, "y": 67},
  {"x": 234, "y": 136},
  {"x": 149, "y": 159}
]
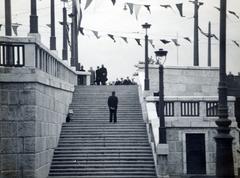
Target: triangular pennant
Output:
[
  {"x": 188, "y": 39},
  {"x": 80, "y": 19},
  {"x": 235, "y": 42},
  {"x": 214, "y": 36},
  {"x": 130, "y": 5},
  {"x": 151, "y": 42},
  {"x": 179, "y": 7},
  {"x": 138, "y": 41},
  {"x": 148, "y": 8},
  {"x": 234, "y": 13},
  {"x": 68, "y": 39},
  {"x": 166, "y": 6},
  {"x": 165, "y": 41},
  {"x": 113, "y": 1},
  {"x": 112, "y": 37},
  {"x": 125, "y": 39},
  {"x": 137, "y": 8},
  {"x": 0, "y": 26},
  {"x": 200, "y": 4},
  {"x": 81, "y": 31},
  {"x": 96, "y": 34},
  {"x": 217, "y": 8},
  {"x": 88, "y": 2},
  {"x": 205, "y": 34},
  {"x": 175, "y": 41},
  {"x": 15, "y": 27},
  {"x": 49, "y": 25}
]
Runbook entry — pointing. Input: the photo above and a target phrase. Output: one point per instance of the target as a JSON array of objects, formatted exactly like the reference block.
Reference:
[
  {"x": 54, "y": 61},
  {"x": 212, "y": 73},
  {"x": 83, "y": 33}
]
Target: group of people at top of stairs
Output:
[{"x": 99, "y": 77}]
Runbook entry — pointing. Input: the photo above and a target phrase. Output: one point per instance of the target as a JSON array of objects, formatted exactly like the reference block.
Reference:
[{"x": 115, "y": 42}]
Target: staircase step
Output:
[{"x": 91, "y": 147}]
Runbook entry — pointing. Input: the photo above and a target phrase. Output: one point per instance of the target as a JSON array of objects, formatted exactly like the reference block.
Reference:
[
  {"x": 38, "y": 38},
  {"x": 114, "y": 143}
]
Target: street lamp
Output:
[
  {"x": 162, "y": 129},
  {"x": 65, "y": 32},
  {"x": 146, "y": 80},
  {"x": 224, "y": 155}
]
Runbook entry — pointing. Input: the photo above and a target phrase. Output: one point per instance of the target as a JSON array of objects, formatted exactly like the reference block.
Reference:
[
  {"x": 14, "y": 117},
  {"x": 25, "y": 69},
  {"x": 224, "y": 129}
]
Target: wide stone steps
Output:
[
  {"x": 91, "y": 147},
  {"x": 106, "y": 176},
  {"x": 94, "y": 158}
]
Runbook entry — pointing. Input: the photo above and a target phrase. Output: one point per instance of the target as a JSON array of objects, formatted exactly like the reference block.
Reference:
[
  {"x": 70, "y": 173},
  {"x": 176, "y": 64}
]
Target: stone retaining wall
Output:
[{"x": 33, "y": 106}]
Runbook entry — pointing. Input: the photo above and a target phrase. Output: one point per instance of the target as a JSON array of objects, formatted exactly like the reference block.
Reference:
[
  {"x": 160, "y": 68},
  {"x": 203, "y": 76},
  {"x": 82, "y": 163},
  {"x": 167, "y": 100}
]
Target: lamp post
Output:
[
  {"x": 65, "y": 32},
  {"x": 33, "y": 17},
  {"x": 8, "y": 18},
  {"x": 146, "y": 80},
  {"x": 52, "y": 37},
  {"x": 162, "y": 129},
  {"x": 224, "y": 155}
]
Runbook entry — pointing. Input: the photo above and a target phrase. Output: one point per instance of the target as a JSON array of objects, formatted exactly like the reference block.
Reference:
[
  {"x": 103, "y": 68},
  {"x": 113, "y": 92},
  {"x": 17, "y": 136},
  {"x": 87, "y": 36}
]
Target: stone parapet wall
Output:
[
  {"x": 177, "y": 127},
  {"x": 183, "y": 81},
  {"x": 33, "y": 106}
]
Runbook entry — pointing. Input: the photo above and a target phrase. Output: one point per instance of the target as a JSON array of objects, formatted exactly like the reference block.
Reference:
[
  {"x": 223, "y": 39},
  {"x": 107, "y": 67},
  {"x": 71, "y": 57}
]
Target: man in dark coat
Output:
[
  {"x": 98, "y": 75},
  {"x": 103, "y": 75},
  {"x": 112, "y": 104}
]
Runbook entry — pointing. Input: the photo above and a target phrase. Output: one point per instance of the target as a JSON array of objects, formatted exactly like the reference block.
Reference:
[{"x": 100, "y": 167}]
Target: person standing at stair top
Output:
[
  {"x": 112, "y": 104},
  {"x": 98, "y": 75},
  {"x": 103, "y": 72}
]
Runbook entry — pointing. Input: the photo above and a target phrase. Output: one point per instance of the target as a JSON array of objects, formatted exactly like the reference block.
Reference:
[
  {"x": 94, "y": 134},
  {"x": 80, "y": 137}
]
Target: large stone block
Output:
[
  {"x": 27, "y": 129},
  {"x": 14, "y": 113},
  {"x": 28, "y": 97},
  {"x": 8, "y": 129},
  {"x": 29, "y": 144},
  {"x": 11, "y": 145},
  {"x": 172, "y": 135},
  {"x": 29, "y": 112},
  {"x": 3, "y": 112},
  {"x": 10, "y": 174},
  {"x": 28, "y": 161},
  {"x": 9, "y": 161},
  {"x": 4, "y": 97},
  {"x": 13, "y": 97}
]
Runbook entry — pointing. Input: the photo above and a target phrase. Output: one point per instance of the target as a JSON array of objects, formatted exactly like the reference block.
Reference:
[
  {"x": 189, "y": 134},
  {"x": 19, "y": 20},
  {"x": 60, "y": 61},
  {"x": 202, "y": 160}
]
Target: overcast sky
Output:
[{"x": 120, "y": 57}]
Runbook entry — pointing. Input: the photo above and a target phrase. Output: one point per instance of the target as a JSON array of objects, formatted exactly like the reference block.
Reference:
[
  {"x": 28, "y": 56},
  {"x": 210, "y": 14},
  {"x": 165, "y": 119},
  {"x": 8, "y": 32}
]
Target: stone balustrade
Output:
[
  {"x": 36, "y": 88},
  {"x": 201, "y": 118}
]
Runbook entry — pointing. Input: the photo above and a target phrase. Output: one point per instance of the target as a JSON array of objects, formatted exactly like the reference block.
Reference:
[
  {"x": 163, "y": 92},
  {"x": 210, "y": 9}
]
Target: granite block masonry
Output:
[{"x": 31, "y": 113}]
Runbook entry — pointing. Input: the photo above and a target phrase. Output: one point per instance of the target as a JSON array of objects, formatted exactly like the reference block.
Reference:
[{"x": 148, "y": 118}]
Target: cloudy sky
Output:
[{"x": 120, "y": 57}]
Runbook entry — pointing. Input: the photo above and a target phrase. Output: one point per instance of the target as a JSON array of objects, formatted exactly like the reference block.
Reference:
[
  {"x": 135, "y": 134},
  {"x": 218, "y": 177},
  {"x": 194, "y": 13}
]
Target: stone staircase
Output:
[{"x": 91, "y": 147}]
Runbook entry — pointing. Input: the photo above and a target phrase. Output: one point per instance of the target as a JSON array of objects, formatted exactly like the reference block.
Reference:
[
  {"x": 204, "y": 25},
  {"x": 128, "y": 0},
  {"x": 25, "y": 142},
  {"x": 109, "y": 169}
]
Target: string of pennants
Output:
[
  {"x": 135, "y": 8},
  {"x": 138, "y": 40}
]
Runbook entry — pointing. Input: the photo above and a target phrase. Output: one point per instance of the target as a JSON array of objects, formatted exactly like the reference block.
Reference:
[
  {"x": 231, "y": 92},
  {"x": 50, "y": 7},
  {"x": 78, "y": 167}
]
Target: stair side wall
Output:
[{"x": 31, "y": 115}]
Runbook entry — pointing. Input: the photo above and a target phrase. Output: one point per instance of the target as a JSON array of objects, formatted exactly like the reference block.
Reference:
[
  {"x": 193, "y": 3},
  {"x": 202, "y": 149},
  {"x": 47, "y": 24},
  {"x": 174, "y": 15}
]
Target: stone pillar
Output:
[{"x": 8, "y": 18}]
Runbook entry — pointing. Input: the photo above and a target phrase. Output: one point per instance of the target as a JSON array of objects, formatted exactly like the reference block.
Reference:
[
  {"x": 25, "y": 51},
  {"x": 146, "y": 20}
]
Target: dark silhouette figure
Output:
[
  {"x": 112, "y": 105},
  {"x": 118, "y": 82},
  {"x": 127, "y": 81},
  {"x": 98, "y": 75},
  {"x": 103, "y": 75}
]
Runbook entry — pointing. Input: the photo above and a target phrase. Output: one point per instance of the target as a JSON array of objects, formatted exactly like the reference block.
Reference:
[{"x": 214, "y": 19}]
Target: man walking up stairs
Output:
[{"x": 91, "y": 147}]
